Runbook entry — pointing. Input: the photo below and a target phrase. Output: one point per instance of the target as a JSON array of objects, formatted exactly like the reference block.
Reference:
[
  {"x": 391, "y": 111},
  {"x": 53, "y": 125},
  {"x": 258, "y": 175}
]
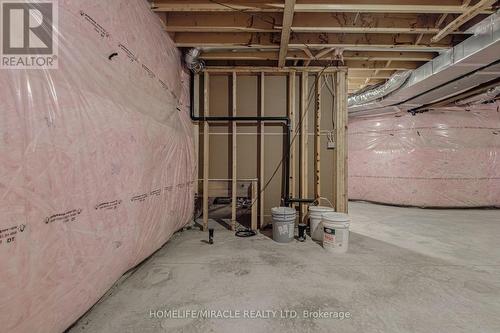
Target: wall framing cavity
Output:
[{"x": 258, "y": 127}]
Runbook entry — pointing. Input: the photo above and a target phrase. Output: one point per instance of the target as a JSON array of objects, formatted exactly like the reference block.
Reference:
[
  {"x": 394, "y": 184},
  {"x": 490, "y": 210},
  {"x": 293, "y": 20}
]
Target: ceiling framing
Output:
[{"x": 372, "y": 38}]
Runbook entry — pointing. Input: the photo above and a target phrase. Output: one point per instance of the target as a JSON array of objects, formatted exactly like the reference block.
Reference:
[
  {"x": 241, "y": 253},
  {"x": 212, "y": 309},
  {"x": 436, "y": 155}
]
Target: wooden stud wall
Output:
[{"x": 257, "y": 187}]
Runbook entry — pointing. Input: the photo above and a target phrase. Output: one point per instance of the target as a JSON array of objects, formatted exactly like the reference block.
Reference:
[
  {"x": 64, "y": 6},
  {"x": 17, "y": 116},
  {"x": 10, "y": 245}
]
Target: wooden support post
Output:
[
  {"x": 196, "y": 129},
  {"x": 303, "y": 143},
  {"x": 254, "y": 207},
  {"x": 262, "y": 147},
  {"x": 317, "y": 137},
  {"x": 233, "y": 160},
  {"x": 206, "y": 146},
  {"x": 291, "y": 116},
  {"x": 340, "y": 153}
]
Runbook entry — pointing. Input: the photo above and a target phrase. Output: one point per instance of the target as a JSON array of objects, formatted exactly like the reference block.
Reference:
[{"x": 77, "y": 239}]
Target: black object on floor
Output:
[
  {"x": 211, "y": 235},
  {"x": 302, "y": 232},
  {"x": 245, "y": 233}
]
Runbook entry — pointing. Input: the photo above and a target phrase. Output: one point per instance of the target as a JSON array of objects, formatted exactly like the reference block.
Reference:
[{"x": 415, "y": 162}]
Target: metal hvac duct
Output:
[
  {"x": 370, "y": 95},
  {"x": 458, "y": 69},
  {"x": 191, "y": 58}
]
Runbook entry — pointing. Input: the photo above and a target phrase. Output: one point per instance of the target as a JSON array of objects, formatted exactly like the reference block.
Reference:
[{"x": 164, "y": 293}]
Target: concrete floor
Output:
[{"x": 407, "y": 270}]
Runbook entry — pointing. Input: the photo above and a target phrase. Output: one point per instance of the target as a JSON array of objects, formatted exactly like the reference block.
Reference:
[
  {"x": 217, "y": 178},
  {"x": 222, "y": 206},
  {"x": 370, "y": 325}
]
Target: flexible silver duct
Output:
[
  {"x": 489, "y": 95},
  {"x": 438, "y": 78},
  {"x": 395, "y": 82},
  {"x": 191, "y": 58}
]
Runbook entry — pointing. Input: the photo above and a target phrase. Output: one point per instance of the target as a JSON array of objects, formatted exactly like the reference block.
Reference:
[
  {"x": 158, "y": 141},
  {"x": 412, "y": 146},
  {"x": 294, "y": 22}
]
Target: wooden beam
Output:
[
  {"x": 437, "y": 26},
  {"x": 377, "y": 71},
  {"x": 381, "y": 8},
  {"x": 367, "y": 42},
  {"x": 374, "y": 65},
  {"x": 369, "y": 66},
  {"x": 360, "y": 6},
  {"x": 303, "y": 144},
  {"x": 234, "y": 181},
  {"x": 324, "y": 52},
  {"x": 317, "y": 137},
  {"x": 300, "y": 55},
  {"x": 441, "y": 20},
  {"x": 340, "y": 152},
  {"x": 206, "y": 146},
  {"x": 291, "y": 116},
  {"x": 223, "y": 6},
  {"x": 365, "y": 30},
  {"x": 221, "y": 22},
  {"x": 349, "y": 42},
  {"x": 270, "y": 70},
  {"x": 302, "y": 22},
  {"x": 309, "y": 55},
  {"x": 285, "y": 31},
  {"x": 470, "y": 13},
  {"x": 361, "y": 75},
  {"x": 262, "y": 152}
]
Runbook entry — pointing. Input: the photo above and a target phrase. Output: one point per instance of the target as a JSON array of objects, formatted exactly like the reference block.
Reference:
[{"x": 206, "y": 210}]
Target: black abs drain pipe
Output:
[{"x": 284, "y": 120}]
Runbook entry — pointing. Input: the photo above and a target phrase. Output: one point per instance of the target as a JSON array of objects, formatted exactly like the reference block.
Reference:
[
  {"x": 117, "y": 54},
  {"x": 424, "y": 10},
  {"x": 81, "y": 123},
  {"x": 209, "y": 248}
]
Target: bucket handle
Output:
[{"x": 319, "y": 201}]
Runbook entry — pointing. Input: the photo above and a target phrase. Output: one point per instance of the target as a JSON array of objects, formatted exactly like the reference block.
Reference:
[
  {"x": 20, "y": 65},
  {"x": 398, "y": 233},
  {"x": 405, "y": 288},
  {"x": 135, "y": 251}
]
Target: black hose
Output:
[{"x": 245, "y": 233}]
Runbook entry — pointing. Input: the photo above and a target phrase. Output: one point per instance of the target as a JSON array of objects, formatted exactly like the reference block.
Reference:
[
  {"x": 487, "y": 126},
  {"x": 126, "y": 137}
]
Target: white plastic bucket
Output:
[
  {"x": 315, "y": 217},
  {"x": 283, "y": 224},
  {"x": 335, "y": 232}
]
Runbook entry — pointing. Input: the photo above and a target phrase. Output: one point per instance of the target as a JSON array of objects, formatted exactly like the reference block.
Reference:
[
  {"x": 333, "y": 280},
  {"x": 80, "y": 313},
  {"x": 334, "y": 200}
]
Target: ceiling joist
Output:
[
  {"x": 353, "y": 6},
  {"x": 315, "y": 41},
  {"x": 301, "y": 55},
  {"x": 470, "y": 13},
  {"x": 373, "y": 38},
  {"x": 285, "y": 31},
  {"x": 305, "y": 22}
]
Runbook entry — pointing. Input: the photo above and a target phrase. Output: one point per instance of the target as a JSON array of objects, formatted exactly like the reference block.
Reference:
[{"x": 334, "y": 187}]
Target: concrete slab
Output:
[{"x": 407, "y": 270}]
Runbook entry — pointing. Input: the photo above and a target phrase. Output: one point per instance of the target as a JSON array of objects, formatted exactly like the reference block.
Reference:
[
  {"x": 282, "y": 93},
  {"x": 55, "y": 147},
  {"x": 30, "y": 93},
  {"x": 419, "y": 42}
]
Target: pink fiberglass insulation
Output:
[
  {"x": 96, "y": 162},
  {"x": 442, "y": 158}
]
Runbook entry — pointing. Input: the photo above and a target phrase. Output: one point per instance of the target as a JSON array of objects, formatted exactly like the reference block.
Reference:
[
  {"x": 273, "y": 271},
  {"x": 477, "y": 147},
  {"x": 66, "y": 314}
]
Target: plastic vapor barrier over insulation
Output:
[
  {"x": 442, "y": 158},
  {"x": 96, "y": 162}
]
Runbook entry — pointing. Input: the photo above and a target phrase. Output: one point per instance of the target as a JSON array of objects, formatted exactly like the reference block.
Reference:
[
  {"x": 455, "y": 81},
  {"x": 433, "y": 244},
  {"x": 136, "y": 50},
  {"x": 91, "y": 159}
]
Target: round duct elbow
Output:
[
  {"x": 192, "y": 61},
  {"x": 395, "y": 82}
]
